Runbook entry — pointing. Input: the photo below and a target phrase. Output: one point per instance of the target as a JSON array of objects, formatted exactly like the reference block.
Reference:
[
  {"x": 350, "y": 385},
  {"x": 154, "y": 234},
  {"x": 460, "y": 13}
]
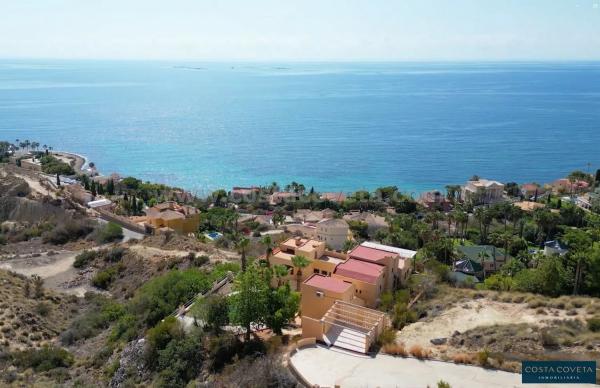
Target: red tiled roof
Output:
[
  {"x": 327, "y": 283},
  {"x": 370, "y": 254},
  {"x": 360, "y": 270}
]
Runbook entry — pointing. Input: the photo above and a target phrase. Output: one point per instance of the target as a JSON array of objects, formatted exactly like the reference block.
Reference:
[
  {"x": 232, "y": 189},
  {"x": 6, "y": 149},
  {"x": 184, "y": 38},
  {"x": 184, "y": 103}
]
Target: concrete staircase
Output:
[{"x": 346, "y": 338}]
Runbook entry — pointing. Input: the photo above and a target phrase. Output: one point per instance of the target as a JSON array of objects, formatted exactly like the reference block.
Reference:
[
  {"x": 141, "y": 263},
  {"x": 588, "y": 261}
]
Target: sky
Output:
[{"x": 301, "y": 30}]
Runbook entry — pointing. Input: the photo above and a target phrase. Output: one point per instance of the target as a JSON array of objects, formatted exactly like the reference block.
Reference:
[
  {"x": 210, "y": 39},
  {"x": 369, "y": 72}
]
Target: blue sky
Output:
[{"x": 290, "y": 30}]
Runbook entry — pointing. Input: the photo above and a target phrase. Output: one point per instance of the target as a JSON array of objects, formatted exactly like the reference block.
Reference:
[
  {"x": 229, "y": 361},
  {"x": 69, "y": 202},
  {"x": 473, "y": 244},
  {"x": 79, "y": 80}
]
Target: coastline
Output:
[{"x": 81, "y": 162}]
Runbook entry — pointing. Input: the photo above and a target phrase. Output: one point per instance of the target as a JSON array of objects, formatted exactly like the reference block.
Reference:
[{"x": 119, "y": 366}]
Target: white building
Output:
[
  {"x": 482, "y": 192},
  {"x": 333, "y": 232}
]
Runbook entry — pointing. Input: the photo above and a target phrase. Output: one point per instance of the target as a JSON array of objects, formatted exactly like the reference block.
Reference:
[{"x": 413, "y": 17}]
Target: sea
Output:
[{"x": 331, "y": 126}]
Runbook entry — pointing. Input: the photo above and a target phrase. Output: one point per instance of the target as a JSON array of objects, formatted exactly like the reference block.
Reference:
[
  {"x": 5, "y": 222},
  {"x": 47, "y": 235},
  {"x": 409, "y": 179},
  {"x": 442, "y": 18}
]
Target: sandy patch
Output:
[
  {"x": 56, "y": 270},
  {"x": 470, "y": 315}
]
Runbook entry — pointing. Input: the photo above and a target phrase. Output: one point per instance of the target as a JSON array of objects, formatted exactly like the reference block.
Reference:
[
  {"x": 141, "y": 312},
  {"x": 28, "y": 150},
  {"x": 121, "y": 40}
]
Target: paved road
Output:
[
  {"x": 128, "y": 234},
  {"x": 329, "y": 367}
]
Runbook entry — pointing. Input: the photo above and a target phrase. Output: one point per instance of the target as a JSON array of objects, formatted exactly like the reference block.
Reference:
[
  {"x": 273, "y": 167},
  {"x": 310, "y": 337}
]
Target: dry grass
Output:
[
  {"x": 419, "y": 352},
  {"x": 462, "y": 358},
  {"x": 395, "y": 350}
]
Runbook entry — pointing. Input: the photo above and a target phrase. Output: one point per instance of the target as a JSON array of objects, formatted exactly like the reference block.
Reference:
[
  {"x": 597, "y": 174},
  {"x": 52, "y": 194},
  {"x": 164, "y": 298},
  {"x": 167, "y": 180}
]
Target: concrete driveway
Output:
[{"x": 329, "y": 367}]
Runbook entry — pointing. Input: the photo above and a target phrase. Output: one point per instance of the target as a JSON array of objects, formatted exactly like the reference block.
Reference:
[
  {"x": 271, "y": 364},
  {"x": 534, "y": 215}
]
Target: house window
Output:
[
  {"x": 323, "y": 272},
  {"x": 315, "y": 271}
]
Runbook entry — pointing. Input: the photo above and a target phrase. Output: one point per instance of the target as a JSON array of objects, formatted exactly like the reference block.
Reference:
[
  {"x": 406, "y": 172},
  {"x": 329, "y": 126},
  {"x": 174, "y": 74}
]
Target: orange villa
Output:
[
  {"x": 339, "y": 291},
  {"x": 170, "y": 215}
]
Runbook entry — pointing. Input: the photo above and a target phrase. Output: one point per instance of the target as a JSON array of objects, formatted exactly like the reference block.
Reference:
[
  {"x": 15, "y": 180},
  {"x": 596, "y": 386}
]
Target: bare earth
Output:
[
  {"x": 470, "y": 315},
  {"x": 56, "y": 270}
]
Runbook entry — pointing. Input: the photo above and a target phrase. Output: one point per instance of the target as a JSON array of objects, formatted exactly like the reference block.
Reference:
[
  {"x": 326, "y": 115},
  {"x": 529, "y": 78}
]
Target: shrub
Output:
[
  {"x": 395, "y": 350},
  {"x": 44, "y": 359},
  {"x": 548, "y": 339},
  {"x": 103, "y": 279},
  {"x": 115, "y": 254},
  {"x": 84, "y": 258},
  {"x": 593, "y": 324},
  {"x": 221, "y": 350},
  {"x": 102, "y": 313},
  {"x": 387, "y": 336},
  {"x": 200, "y": 260},
  {"x": 71, "y": 230},
  {"x": 42, "y": 309},
  {"x": 482, "y": 357},
  {"x": 443, "y": 384},
  {"x": 109, "y": 233},
  {"x": 3, "y": 239},
  {"x": 462, "y": 358},
  {"x": 418, "y": 352}
]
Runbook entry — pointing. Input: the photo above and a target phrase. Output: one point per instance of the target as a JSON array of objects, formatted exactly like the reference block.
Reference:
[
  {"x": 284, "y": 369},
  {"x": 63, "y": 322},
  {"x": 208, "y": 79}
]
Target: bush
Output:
[
  {"x": 593, "y": 324},
  {"x": 3, "y": 240},
  {"x": 387, "y": 337},
  {"x": 462, "y": 358},
  {"x": 115, "y": 254},
  {"x": 200, "y": 260},
  {"x": 443, "y": 384},
  {"x": 395, "y": 350},
  {"x": 482, "y": 357},
  {"x": 418, "y": 352},
  {"x": 42, "y": 309},
  {"x": 53, "y": 166},
  {"x": 102, "y": 313},
  {"x": 84, "y": 258},
  {"x": 44, "y": 359},
  {"x": 71, "y": 230},
  {"x": 109, "y": 233},
  {"x": 221, "y": 350},
  {"x": 548, "y": 339},
  {"x": 103, "y": 279},
  {"x": 160, "y": 296}
]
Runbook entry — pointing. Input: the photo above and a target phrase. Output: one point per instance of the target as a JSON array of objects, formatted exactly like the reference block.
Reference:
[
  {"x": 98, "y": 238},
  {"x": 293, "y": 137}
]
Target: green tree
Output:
[
  {"x": 283, "y": 306},
  {"x": 249, "y": 303}
]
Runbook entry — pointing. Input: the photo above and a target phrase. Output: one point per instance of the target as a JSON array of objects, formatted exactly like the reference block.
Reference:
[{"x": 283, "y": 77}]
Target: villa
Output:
[
  {"x": 434, "y": 200},
  {"x": 482, "y": 192},
  {"x": 280, "y": 197},
  {"x": 480, "y": 260},
  {"x": 333, "y": 197},
  {"x": 339, "y": 291},
  {"x": 170, "y": 215},
  {"x": 531, "y": 190},
  {"x": 244, "y": 192},
  {"x": 566, "y": 186}
]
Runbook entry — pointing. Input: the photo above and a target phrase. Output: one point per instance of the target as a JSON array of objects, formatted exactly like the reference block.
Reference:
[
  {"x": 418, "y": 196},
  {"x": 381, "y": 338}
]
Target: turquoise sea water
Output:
[{"x": 334, "y": 126}]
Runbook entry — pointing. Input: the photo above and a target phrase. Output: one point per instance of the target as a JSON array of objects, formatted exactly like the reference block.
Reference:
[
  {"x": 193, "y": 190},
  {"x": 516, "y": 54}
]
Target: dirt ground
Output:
[
  {"x": 56, "y": 269},
  {"x": 475, "y": 313}
]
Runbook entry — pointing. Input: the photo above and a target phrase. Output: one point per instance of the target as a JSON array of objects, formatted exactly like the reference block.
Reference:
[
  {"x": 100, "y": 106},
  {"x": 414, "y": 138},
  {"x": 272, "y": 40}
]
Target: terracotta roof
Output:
[
  {"x": 334, "y": 197},
  {"x": 170, "y": 215},
  {"x": 360, "y": 270},
  {"x": 370, "y": 254},
  {"x": 327, "y": 283}
]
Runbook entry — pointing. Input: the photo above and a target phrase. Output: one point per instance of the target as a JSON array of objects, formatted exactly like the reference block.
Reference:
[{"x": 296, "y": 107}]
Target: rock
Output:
[
  {"x": 438, "y": 341},
  {"x": 456, "y": 333},
  {"x": 131, "y": 361}
]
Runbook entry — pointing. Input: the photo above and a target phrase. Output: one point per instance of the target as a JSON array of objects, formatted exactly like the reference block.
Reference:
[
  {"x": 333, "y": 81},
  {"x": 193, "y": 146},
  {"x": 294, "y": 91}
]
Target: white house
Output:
[
  {"x": 482, "y": 191},
  {"x": 333, "y": 232}
]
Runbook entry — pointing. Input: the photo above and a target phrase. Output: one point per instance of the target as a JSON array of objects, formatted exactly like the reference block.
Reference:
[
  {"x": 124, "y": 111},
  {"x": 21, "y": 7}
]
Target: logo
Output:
[{"x": 558, "y": 372}]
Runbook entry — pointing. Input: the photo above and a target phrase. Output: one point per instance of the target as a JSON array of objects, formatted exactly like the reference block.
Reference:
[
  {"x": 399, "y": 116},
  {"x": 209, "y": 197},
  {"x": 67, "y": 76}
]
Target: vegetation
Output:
[
  {"x": 54, "y": 166},
  {"x": 44, "y": 359},
  {"x": 108, "y": 233}
]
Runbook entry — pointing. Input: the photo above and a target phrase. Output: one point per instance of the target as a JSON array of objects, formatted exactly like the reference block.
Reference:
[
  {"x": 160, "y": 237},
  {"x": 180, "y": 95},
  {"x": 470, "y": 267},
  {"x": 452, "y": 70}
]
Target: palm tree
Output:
[
  {"x": 280, "y": 272},
  {"x": 299, "y": 262},
  {"x": 242, "y": 246},
  {"x": 268, "y": 243}
]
